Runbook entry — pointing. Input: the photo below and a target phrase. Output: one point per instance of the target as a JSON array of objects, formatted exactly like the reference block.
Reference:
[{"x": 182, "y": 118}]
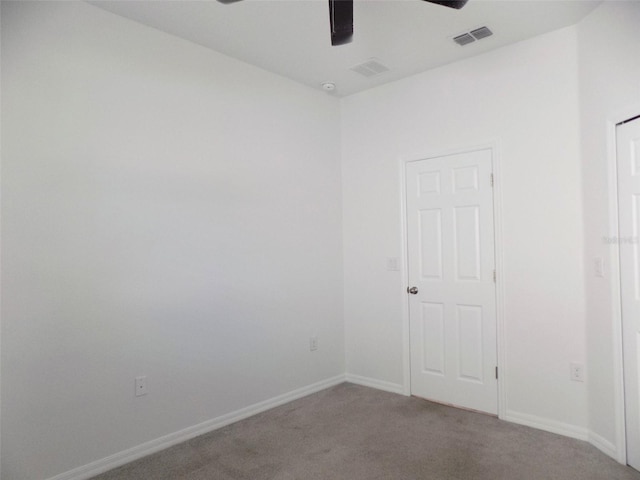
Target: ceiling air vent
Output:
[
  {"x": 480, "y": 33},
  {"x": 464, "y": 39},
  {"x": 370, "y": 68},
  {"x": 472, "y": 36}
]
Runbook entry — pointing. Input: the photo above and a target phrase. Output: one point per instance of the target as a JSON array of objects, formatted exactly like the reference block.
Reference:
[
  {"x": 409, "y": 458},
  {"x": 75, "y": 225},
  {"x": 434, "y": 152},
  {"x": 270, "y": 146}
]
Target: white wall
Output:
[
  {"x": 609, "y": 58},
  {"x": 524, "y": 97},
  {"x": 168, "y": 212}
]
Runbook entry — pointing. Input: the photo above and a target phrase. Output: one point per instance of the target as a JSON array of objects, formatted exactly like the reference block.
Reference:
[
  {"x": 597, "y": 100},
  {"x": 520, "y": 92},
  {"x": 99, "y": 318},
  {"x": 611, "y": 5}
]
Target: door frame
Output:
[
  {"x": 619, "y": 450},
  {"x": 494, "y": 146}
]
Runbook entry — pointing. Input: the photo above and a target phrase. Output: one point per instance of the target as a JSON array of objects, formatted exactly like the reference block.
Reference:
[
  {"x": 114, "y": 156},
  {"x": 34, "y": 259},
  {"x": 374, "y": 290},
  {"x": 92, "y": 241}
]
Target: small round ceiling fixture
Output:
[{"x": 328, "y": 86}]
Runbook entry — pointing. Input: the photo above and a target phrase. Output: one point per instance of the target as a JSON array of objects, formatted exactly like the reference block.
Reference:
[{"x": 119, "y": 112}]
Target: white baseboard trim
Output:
[
  {"x": 121, "y": 458},
  {"x": 547, "y": 425},
  {"x": 607, "y": 447},
  {"x": 375, "y": 383}
]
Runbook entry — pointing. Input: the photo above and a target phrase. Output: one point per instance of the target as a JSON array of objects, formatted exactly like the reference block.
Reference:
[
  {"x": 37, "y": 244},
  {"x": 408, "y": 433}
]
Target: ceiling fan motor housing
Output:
[{"x": 341, "y": 16}]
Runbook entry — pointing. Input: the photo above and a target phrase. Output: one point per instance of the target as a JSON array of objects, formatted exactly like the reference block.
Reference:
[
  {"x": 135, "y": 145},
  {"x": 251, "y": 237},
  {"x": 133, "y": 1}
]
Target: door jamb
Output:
[{"x": 494, "y": 146}]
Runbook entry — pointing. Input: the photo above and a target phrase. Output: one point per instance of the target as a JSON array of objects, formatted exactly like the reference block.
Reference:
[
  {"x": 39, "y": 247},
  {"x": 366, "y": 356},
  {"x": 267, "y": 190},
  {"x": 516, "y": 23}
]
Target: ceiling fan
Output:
[{"x": 341, "y": 17}]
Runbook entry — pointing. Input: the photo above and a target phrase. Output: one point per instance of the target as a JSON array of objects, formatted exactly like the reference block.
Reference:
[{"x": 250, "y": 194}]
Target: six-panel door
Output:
[{"x": 451, "y": 262}]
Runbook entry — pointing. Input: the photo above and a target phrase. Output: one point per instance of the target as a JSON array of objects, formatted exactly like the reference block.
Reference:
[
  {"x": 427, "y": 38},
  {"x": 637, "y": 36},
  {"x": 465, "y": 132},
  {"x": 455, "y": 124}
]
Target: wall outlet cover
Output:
[
  {"x": 141, "y": 386},
  {"x": 576, "y": 372}
]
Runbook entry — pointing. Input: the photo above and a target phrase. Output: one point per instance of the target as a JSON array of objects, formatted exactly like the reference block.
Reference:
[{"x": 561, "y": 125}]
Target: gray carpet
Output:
[{"x": 356, "y": 433}]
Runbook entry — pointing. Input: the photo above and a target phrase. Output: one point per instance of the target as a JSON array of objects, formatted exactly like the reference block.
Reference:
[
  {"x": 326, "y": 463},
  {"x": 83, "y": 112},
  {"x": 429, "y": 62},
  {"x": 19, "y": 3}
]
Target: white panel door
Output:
[
  {"x": 451, "y": 264},
  {"x": 628, "y": 151}
]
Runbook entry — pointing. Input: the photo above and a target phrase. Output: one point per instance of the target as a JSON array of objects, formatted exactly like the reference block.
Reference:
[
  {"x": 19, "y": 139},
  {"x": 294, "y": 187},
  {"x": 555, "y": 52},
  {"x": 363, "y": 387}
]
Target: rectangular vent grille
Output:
[
  {"x": 480, "y": 33},
  {"x": 370, "y": 68},
  {"x": 472, "y": 36},
  {"x": 464, "y": 39}
]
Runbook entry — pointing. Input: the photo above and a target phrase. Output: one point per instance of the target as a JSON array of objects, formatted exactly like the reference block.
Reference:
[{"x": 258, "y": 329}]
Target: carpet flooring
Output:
[{"x": 350, "y": 432}]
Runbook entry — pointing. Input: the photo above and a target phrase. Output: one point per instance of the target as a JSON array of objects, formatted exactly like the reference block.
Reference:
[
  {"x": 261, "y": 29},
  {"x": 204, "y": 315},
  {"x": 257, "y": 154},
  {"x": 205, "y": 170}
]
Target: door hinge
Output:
[
  {"x": 496, "y": 373},
  {"x": 491, "y": 179},
  {"x": 494, "y": 276}
]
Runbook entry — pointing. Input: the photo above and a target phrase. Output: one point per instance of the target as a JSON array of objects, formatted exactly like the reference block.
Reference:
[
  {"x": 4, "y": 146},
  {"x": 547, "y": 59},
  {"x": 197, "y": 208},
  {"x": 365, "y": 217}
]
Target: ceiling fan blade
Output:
[
  {"x": 341, "y": 15},
  {"x": 457, "y": 4}
]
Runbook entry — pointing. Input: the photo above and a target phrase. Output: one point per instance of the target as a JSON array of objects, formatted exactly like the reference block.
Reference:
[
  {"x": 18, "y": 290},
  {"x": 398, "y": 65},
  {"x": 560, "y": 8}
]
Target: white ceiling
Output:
[{"x": 291, "y": 37}]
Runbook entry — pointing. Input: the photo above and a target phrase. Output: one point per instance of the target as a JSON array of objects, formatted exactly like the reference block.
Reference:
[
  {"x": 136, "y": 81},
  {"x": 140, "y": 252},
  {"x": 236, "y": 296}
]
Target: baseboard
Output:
[
  {"x": 121, "y": 458},
  {"x": 100, "y": 466},
  {"x": 547, "y": 425},
  {"x": 606, "y": 447},
  {"x": 375, "y": 383}
]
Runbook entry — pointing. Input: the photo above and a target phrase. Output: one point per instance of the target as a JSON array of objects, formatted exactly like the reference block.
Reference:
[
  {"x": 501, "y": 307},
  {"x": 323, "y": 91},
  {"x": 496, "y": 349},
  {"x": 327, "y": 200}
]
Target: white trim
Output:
[
  {"x": 375, "y": 383},
  {"x": 0, "y": 290},
  {"x": 620, "y": 453},
  {"x": 548, "y": 425},
  {"x": 616, "y": 299},
  {"x": 404, "y": 274},
  {"x": 604, "y": 445},
  {"x": 121, "y": 458},
  {"x": 494, "y": 146},
  {"x": 499, "y": 266}
]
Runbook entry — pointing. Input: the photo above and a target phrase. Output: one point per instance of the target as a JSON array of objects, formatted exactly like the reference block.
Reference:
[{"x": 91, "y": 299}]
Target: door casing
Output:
[
  {"x": 629, "y": 325},
  {"x": 619, "y": 449}
]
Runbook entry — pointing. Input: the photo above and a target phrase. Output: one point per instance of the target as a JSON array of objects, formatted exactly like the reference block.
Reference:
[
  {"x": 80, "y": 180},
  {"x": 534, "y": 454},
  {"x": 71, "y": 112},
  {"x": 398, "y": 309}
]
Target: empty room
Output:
[{"x": 320, "y": 239}]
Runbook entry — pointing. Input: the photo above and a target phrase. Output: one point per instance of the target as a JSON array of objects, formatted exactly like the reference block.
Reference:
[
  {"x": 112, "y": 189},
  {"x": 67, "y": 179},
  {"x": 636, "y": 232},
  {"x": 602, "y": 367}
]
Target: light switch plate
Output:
[
  {"x": 393, "y": 264},
  {"x": 598, "y": 267}
]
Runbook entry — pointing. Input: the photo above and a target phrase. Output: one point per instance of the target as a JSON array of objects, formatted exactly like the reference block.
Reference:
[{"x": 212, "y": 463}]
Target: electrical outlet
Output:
[
  {"x": 576, "y": 372},
  {"x": 313, "y": 343},
  {"x": 141, "y": 386}
]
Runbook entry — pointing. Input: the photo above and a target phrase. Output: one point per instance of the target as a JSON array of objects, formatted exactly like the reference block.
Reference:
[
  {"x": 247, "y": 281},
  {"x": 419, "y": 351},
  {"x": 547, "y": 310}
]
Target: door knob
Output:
[{"x": 412, "y": 290}]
